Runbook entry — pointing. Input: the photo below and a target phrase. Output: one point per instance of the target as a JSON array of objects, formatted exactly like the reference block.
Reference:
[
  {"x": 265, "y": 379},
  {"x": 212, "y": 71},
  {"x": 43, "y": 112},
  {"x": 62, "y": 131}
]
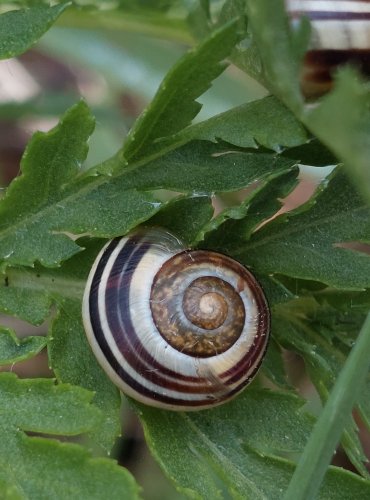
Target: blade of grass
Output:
[{"x": 326, "y": 434}]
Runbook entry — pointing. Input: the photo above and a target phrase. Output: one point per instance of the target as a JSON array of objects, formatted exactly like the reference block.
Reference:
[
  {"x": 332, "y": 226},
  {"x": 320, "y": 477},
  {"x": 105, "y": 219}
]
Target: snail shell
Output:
[
  {"x": 174, "y": 328},
  {"x": 340, "y": 34}
]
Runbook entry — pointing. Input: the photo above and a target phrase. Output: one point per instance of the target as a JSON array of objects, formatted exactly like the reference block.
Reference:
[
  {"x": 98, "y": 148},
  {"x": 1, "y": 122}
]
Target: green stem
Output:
[{"x": 329, "y": 427}]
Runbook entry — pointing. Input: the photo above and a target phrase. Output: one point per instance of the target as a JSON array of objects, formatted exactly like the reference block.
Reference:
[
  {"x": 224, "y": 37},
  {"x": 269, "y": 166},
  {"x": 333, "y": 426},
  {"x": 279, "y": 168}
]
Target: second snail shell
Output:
[
  {"x": 174, "y": 328},
  {"x": 340, "y": 34}
]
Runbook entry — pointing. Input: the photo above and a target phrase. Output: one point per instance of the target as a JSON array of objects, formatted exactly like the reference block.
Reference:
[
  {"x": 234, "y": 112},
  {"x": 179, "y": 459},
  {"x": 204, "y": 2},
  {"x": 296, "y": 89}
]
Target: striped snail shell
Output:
[
  {"x": 340, "y": 34},
  {"x": 174, "y": 328}
]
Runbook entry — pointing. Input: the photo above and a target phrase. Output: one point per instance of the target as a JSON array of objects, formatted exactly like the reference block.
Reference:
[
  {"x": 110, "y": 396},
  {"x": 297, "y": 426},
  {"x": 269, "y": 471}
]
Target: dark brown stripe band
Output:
[{"x": 319, "y": 15}]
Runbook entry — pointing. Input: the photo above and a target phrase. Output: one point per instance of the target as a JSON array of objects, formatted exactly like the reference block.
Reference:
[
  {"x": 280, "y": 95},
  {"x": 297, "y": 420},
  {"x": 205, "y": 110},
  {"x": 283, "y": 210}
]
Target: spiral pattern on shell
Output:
[
  {"x": 340, "y": 34},
  {"x": 174, "y": 328}
]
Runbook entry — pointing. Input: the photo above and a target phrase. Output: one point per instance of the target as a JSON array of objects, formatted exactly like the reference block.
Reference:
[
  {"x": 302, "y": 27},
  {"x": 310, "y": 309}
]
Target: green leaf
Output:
[
  {"x": 310, "y": 330},
  {"x": 42, "y": 468},
  {"x": 185, "y": 217},
  {"x": 20, "y": 29},
  {"x": 38, "y": 405},
  {"x": 337, "y": 411},
  {"x": 273, "y": 365},
  {"x": 107, "y": 209},
  {"x": 73, "y": 362},
  {"x": 276, "y": 292},
  {"x": 281, "y": 49},
  {"x": 234, "y": 226},
  {"x": 313, "y": 153},
  {"x": 47, "y": 165},
  {"x": 310, "y": 242},
  {"x": 231, "y": 9},
  {"x": 174, "y": 105},
  {"x": 49, "y": 199},
  {"x": 30, "y": 292},
  {"x": 69, "y": 353},
  {"x": 62, "y": 149},
  {"x": 46, "y": 469},
  {"x": 205, "y": 168},
  {"x": 10, "y": 491},
  {"x": 13, "y": 350},
  {"x": 233, "y": 451},
  {"x": 199, "y": 19},
  {"x": 266, "y": 122},
  {"x": 342, "y": 122},
  {"x": 217, "y": 453},
  {"x": 23, "y": 299}
]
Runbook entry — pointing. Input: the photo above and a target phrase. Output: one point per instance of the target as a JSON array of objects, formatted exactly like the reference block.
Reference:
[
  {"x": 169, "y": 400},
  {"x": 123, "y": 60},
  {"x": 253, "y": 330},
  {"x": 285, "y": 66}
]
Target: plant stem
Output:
[{"x": 326, "y": 434}]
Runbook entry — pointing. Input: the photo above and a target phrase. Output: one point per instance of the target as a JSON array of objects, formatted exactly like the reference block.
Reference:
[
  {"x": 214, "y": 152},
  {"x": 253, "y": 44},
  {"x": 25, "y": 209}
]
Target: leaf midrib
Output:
[
  {"x": 221, "y": 457},
  {"x": 45, "y": 210},
  {"x": 296, "y": 229},
  {"x": 67, "y": 286}
]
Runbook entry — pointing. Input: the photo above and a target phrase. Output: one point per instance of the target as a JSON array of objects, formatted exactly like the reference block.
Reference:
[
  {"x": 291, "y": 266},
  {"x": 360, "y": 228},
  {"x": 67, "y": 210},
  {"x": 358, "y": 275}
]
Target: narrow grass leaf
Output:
[{"x": 328, "y": 429}]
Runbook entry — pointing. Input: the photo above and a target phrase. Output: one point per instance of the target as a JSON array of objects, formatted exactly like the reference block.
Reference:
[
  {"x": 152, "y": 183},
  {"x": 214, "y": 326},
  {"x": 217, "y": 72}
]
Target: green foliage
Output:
[
  {"x": 20, "y": 29},
  {"x": 322, "y": 443},
  {"x": 313, "y": 262},
  {"x": 234, "y": 226},
  {"x": 249, "y": 126},
  {"x": 226, "y": 445},
  {"x": 309, "y": 243},
  {"x": 21, "y": 298},
  {"x": 171, "y": 111},
  {"x": 48, "y": 163},
  {"x": 54, "y": 200},
  {"x": 345, "y": 114},
  {"x": 235, "y": 451},
  {"x": 185, "y": 216},
  {"x": 204, "y": 167},
  {"x": 73, "y": 362},
  {"x": 40, "y": 406},
  {"x": 286, "y": 46},
  {"x": 13, "y": 350},
  {"x": 69, "y": 353},
  {"x": 324, "y": 355}
]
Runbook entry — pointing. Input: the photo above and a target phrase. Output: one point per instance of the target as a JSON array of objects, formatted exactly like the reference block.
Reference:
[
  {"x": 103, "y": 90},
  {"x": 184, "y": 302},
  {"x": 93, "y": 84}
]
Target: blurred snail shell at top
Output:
[
  {"x": 340, "y": 34},
  {"x": 174, "y": 328}
]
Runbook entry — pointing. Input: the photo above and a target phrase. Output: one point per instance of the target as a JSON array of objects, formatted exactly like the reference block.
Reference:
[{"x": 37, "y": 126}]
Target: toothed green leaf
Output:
[
  {"x": 44, "y": 468},
  {"x": 13, "y": 349},
  {"x": 174, "y": 105},
  {"x": 236, "y": 450},
  {"x": 314, "y": 241},
  {"x": 20, "y": 29}
]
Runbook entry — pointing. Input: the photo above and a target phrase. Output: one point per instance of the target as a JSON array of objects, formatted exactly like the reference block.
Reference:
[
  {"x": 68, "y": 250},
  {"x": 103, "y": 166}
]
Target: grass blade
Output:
[{"x": 328, "y": 429}]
